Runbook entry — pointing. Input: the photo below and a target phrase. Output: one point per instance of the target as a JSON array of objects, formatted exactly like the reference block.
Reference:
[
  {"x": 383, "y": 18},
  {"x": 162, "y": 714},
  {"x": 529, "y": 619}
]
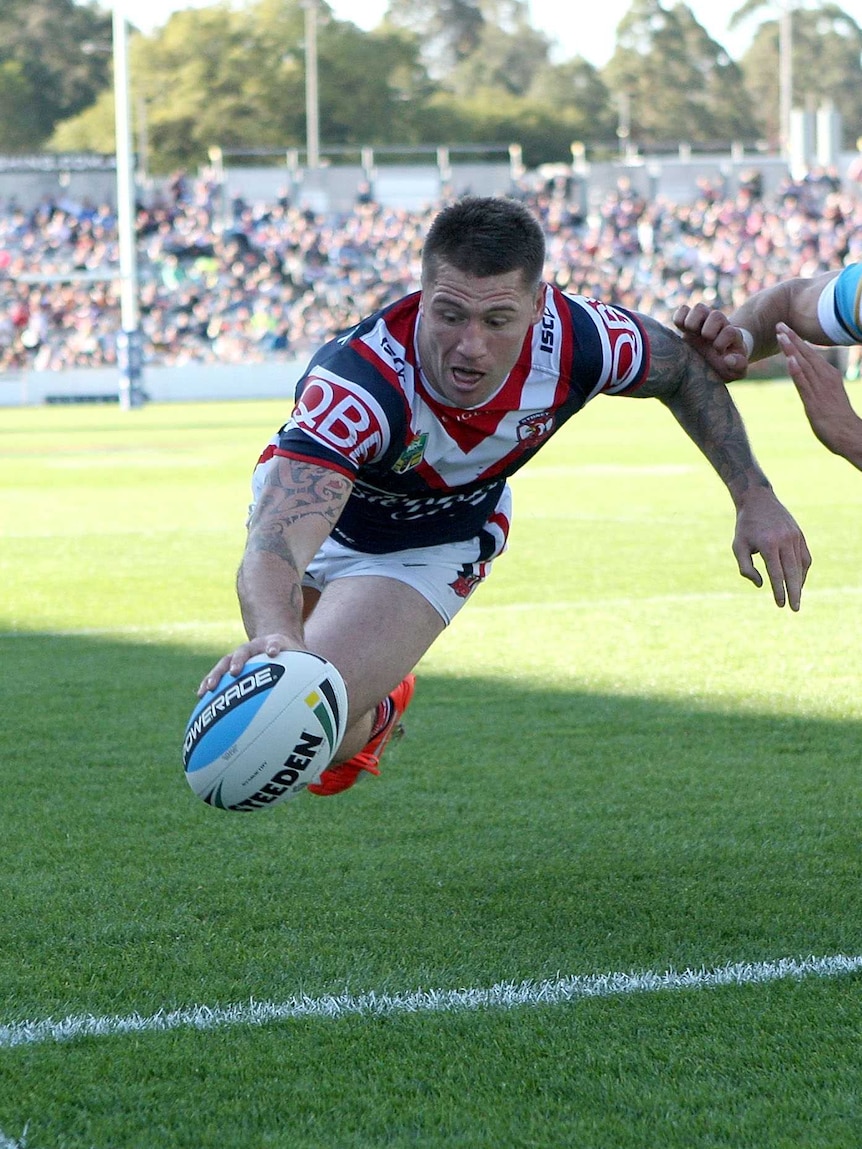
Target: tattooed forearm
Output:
[
  {"x": 289, "y": 603},
  {"x": 704, "y": 409},
  {"x": 296, "y": 511}
]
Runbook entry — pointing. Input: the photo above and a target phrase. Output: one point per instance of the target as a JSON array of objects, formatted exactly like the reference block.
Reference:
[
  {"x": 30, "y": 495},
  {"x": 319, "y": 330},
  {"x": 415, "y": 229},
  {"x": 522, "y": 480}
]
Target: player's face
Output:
[{"x": 472, "y": 331}]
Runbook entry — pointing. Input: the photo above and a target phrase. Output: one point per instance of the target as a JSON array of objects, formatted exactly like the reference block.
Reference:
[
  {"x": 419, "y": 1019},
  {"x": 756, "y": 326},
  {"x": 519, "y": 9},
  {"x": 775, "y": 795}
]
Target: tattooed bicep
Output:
[
  {"x": 671, "y": 361},
  {"x": 293, "y": 490}
]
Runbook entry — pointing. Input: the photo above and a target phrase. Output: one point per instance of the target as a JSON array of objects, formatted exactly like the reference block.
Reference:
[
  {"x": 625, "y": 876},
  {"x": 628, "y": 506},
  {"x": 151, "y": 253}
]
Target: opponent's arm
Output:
[
  {"x": 824, "y": 397},
  {"x": 299, "y": 505},
  {"x": 730, "y": 343},
  {"x": 793, "y": 302},
  {"x": 703, "y": 407}
]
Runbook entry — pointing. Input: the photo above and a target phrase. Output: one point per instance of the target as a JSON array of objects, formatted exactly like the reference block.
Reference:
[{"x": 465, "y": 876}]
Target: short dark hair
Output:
[{"x": 486, "y": 235}]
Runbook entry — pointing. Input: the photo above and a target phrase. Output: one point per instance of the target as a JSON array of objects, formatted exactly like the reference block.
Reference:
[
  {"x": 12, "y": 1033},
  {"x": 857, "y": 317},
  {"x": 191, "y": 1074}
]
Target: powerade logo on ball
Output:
[{"x": 213, "y": 719}]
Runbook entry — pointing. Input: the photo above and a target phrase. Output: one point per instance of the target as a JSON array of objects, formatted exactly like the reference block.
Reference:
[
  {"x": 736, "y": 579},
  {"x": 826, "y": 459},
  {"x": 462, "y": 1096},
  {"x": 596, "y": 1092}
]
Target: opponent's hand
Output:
[
  {"x": 764, "y": 526},
  {"x": 821, "y": 389},
  {"x": 711, "y": 334},
  {"x": 269, "y": 644}
]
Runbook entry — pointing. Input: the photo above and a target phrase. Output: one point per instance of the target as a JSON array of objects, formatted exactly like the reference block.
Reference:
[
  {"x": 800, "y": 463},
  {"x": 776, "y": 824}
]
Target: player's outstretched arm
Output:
[
  {"x": 299, "y": 505},
  {"x": 704, "y": 408},
  {"x": 824, "y": 397}
]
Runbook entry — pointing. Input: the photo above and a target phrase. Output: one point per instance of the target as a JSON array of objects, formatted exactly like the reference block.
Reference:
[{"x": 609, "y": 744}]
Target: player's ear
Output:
[{"x": 538, "y": 304}]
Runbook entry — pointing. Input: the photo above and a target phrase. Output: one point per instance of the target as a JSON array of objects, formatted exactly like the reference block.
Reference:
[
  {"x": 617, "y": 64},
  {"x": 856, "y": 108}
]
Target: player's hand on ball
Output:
[{"x": 268, "y": 644}]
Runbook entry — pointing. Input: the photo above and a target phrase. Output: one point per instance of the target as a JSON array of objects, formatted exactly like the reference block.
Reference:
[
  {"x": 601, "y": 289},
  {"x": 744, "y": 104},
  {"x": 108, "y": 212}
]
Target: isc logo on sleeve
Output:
[{"x": 350, "y": 423}]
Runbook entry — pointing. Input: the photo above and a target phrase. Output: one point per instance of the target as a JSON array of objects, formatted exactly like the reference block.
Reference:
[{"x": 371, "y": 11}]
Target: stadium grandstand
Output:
[{"x": 231, "y": 279}]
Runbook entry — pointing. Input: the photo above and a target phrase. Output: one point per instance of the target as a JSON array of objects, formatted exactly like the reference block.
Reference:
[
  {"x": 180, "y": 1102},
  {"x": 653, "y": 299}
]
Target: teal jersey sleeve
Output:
[{"x": 839, "y": 309}]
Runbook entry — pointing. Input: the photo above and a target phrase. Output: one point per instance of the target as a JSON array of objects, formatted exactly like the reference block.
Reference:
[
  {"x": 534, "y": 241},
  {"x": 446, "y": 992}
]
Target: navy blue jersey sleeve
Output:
[{"x": 609, "y": 352}]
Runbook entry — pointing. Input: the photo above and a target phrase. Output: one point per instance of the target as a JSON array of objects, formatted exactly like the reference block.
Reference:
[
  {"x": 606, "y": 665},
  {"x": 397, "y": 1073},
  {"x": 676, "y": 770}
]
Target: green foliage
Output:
[
  {"x": 827, "y": 68},
  {"x": 576, "y": 90},
  {"x": 94, "y": 130},
  {"x": 505, "y": 59},
  {"x": 196, "y": 73},
  {"x": 236, "y": 79},
  {"x": 55, "y": 57},
  {"x": 448, "y": 31},
  {"x": 20, "y": 118},
  {"x": 381, "y": 71},
  {"x": 492, "y": 117},
  {"x": 435, "y": 71},
  {"x": 678, "y": 83}
]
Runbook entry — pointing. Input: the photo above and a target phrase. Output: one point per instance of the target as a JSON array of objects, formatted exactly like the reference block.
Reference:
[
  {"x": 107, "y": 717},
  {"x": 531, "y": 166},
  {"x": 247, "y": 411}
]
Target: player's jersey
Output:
[
  {"x": 426, "y": 472},
  {"x": 839, "y": 308}
]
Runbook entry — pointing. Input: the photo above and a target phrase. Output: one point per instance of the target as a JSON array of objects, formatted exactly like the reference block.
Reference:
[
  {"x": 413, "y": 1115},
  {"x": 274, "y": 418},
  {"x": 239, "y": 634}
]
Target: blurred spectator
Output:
[{"x": 279, "y": 280}]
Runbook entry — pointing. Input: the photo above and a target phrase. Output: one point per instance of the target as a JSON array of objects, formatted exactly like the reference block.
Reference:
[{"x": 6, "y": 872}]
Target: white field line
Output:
[
  {"x": 504, "y": 995},
  {"x": 194, "y": 626}
]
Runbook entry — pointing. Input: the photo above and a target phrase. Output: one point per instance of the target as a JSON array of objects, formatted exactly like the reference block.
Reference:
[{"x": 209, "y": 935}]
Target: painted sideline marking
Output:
[{"x": 504, "y": 995}]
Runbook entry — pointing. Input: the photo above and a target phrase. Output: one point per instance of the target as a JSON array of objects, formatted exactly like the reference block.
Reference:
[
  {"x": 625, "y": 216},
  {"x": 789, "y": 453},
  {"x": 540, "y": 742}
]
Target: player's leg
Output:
[
  {"x": 375, "y": 630},
  {"x": 374, "y": 619}
]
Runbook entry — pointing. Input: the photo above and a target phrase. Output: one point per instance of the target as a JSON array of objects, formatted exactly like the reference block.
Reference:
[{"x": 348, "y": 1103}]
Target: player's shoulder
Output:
[
  {"x": 353, "y": 400},
  {"x": 371, "y": 358},
  {"x": 588, "y": 312},
  {"x": 381, "y": 338}
]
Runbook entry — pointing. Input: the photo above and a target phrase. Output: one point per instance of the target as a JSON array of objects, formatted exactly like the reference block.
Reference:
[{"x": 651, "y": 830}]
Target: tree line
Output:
[{"x": 434, "y": 71}]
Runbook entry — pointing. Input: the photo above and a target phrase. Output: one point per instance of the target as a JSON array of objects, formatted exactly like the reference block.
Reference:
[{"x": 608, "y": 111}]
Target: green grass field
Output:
[{"x": 622, "y": 761}]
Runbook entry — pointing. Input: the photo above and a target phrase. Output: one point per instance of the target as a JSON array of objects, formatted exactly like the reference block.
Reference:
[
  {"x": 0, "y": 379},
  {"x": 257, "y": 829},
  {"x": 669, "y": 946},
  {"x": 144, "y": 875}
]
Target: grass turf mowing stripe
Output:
[
  {"x": 504, "y": 995},
  {"x": 202, "y": 626}
]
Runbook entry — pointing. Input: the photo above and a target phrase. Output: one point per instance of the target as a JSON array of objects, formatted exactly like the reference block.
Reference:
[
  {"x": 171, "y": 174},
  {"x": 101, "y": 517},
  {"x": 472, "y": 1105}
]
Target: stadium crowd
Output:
[{"x": 278, "y": 280}]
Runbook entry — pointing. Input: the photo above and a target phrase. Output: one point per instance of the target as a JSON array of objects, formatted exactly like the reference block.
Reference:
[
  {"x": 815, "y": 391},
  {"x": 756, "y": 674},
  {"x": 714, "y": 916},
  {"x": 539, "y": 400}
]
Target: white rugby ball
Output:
[{"x": 261, "y": 737}]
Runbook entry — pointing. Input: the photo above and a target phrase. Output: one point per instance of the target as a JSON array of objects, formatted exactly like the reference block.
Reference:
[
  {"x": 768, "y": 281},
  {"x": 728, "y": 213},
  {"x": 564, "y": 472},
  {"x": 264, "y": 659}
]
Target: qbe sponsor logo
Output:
[{"x": 339, "y": 419}]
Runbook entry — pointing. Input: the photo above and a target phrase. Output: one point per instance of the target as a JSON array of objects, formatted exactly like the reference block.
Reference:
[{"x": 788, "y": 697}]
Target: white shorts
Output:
[{"x": 446, "y": 575}]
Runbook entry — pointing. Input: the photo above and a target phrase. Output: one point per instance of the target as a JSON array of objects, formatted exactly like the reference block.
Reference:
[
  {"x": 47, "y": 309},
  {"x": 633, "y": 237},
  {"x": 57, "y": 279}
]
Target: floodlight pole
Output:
[
  {"x": 785, "y": 74},
  {"x": 129, "y": 341},
  {"x": 312, "y": 97}
]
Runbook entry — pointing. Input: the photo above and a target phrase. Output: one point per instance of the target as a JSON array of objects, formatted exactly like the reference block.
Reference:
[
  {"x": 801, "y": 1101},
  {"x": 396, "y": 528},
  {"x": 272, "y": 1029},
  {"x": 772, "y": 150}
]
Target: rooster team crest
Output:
[
  {"x": 412, "y": 454},
  {"x": 535, "y": 427},
  {"x": 465, "y": 583}
]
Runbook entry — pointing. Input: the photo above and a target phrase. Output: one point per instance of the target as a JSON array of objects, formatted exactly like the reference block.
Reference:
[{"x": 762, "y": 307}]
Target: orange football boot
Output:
[{"x": 342, "y": 776}]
